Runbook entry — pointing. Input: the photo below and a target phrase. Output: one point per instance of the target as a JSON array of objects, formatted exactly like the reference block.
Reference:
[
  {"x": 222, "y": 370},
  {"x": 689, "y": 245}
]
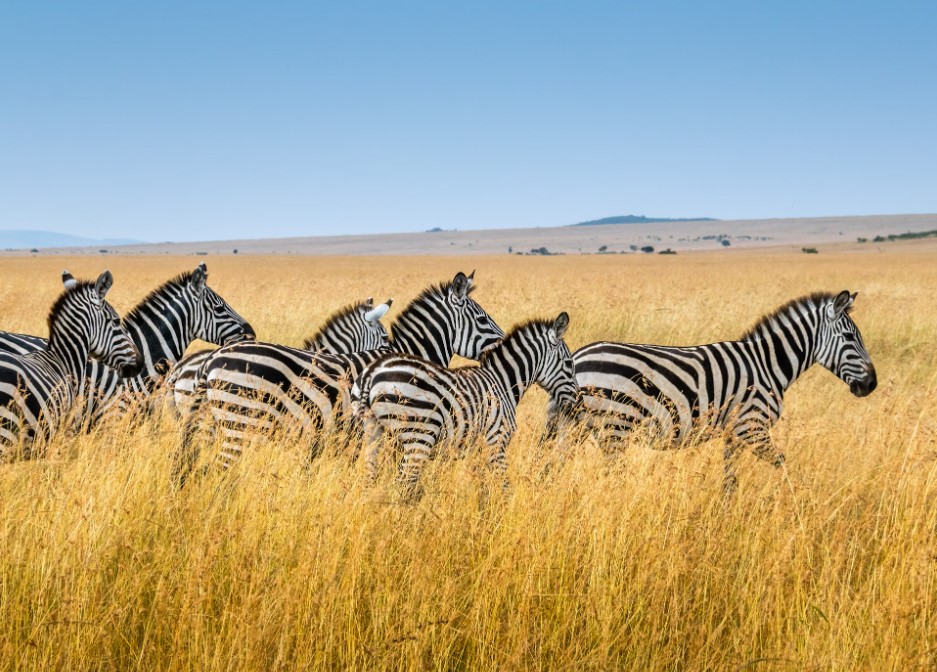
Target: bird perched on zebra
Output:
[
  {"x": 350, "y": 329},
  {"x": 37, "y": 389},
  {"x": 734, "y": 386},
  {"x": 421, "y": 404},
  {"x": 162, "y": 326},
  {"x": 255, "y": 386}
]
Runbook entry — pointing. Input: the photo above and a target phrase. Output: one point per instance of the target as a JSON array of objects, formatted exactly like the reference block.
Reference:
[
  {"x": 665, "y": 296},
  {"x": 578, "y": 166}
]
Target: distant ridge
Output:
[
  {"x": 21, "y": 239},
  {"x": 641, "y": 219}
]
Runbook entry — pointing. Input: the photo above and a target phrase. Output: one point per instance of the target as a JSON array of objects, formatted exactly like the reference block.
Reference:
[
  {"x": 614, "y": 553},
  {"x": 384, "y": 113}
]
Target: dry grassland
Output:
[{"x": 629, "y": 562}]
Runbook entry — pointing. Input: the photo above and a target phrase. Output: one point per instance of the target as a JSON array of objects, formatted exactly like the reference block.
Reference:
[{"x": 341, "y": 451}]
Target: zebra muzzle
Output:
[{"x": 865, "y": 386}]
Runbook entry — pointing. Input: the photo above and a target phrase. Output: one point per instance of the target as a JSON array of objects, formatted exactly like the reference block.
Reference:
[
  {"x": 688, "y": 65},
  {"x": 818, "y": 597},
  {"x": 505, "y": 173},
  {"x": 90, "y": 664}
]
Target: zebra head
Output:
[
  {"x": 374, "y": 335},
  {"x": 108, "y": 340},
  {"x": 557, "y": 375},
  {"x": 354, "y": 328},
  {"x": 840, "y": 348},
  {"x": 475, "y": 330},
  {"x": 211, "y": 318}
]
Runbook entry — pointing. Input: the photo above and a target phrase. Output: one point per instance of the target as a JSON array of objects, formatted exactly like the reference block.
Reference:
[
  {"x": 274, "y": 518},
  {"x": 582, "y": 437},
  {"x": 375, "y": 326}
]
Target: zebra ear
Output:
[
  {"x": 460, "y": 285},
  {"x": 69, "y": 280},
  {"x": 369, "y": 302},
  {"x": 560, "y": 324},
  {"x": 198, "y": 279},
  {"x": 103, "y": 285},
  {"x": 841, "y": 304}
]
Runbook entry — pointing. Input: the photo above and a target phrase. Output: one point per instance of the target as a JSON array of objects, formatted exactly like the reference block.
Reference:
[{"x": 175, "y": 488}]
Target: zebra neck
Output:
[
  {"x": 69, "y": 356},
  {"x": 425, "y": 329},
  {"x": 159, "y": 335},
  {"x": 786, "y": 347},
  {"x": 511, "y": 370}
]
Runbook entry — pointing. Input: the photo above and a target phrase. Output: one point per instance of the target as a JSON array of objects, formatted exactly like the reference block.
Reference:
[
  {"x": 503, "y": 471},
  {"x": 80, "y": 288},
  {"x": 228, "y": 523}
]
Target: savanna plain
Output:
[{"x": 625, "y": 561}]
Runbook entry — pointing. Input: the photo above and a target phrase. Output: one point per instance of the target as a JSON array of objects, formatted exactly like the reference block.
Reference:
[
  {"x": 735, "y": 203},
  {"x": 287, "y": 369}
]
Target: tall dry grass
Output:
[{"x": 589, "y": 562}]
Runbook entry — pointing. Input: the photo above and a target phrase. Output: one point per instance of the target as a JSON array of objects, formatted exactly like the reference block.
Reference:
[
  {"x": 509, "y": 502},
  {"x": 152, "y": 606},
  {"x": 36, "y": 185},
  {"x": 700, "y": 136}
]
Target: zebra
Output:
[
  {"x": 251, "y": 386},
  {"x": 421, "y": 404},
  {"x": 38, "y": 389},
  {"x": 352, "y": 328},
  {"x": 162, "y": 326},
  {"x": 735, "y": 387}
]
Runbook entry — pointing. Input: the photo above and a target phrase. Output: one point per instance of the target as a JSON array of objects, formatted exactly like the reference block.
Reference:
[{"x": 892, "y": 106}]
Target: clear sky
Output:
[{"x": 204, "y": 120}]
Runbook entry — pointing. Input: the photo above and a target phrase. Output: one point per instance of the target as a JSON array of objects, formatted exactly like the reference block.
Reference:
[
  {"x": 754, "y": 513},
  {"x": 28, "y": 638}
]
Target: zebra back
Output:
[{"x": 355, "y": 327}]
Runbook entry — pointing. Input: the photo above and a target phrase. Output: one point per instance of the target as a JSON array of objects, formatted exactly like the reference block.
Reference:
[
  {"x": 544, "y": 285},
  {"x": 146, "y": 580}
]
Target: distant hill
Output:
[
  {"x": 27, "y": 240},
  {"x": 641, "y": 219}
]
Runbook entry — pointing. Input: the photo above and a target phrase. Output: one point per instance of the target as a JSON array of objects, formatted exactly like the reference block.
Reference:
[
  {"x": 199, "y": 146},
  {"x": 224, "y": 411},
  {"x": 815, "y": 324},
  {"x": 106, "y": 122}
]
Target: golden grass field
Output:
[{"x": 628, "y": 562}]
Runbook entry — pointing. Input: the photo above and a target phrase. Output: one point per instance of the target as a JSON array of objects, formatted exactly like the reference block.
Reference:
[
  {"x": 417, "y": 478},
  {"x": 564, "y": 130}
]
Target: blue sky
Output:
[{"x": 189, "y": 121}]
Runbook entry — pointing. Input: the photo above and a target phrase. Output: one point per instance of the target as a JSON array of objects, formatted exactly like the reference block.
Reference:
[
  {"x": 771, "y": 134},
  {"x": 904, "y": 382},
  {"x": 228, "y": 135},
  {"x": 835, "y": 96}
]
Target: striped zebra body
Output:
[
  {"x": 736, "y": 387},
  {"x": 21, "y": 344},
  {"x": 351, "y": 329},
  {"x": 421, "y": 404},
  {"x": 162, "y": 326},
  {"x": 252, "y": 386},
  {"x": 38, "y": 389}
]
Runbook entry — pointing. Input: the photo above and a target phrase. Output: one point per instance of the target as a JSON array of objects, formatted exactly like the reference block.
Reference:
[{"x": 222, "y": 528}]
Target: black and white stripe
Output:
[
  {"x": 351, "y": 329},
  {"x": 162, "y": 326},
  {"x": 421, "y": 404},
  {"x": 735, "y": 386},
  {"x": 38, "y": 389},
  {"x": 253, "y": 386}
]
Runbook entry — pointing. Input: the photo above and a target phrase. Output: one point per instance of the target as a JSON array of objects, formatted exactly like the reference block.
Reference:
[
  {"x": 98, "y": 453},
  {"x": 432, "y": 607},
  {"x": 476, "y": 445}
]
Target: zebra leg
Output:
[
  {"x": 416, "y": 453},
  {"x": 497, "y": 459},
  {"x": 188, "y": 453},
  {"x": 372, "y": 434},
  {"x": 189, "y": 450},
  {"x": 764, "y": 447},
  {"x": 730, "y": 455}
]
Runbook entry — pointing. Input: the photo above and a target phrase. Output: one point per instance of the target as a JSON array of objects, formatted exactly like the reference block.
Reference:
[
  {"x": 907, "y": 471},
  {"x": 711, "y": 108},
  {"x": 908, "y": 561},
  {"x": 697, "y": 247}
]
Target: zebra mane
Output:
[
  {"x": 813, "y": 300},
  {"x": 332, "y": 319},
  {"x": 177, "y": 282},
  {"x": 439, "y": 291},
  {"x": 517, "y": 330},
  {"x": 59, "y": 304}
]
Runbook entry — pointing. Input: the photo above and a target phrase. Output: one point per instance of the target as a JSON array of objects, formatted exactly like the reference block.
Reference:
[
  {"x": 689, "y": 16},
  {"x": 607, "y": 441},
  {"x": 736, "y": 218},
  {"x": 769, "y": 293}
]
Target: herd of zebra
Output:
[{"x": 354, "y": 376}]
